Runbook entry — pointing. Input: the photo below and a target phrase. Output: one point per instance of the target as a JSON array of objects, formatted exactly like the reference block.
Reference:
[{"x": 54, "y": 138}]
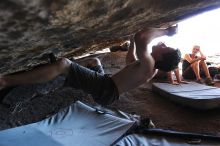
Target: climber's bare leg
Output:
[{"x": 37, "y": 75}]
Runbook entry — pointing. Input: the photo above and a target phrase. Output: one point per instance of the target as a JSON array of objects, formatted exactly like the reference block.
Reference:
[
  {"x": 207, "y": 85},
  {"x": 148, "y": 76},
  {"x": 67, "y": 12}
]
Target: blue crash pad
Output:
[
  {"x": 78, "y": 125},
  {"x": 193, "y": 94}
]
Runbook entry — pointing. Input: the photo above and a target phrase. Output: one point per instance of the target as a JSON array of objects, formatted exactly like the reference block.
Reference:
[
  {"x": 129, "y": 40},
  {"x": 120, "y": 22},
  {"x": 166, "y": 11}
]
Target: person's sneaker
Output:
[
  {"x": 209, "y": 82},
  {"x": 200, "y": 81}
]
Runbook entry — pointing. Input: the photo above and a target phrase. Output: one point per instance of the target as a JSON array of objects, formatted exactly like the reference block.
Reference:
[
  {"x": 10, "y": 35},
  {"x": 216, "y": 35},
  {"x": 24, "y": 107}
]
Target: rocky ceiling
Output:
[{"x": 31, "y": 28}]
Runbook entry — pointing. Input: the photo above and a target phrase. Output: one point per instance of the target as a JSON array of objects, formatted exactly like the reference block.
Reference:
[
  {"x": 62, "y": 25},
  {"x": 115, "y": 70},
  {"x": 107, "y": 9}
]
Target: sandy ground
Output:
[{"x": 21, "y": 108}]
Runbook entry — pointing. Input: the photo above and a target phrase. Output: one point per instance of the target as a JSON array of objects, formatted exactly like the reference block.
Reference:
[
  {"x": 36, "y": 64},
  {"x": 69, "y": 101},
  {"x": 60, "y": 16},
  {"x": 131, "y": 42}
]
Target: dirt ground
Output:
[{"x": 18, "y": 110}]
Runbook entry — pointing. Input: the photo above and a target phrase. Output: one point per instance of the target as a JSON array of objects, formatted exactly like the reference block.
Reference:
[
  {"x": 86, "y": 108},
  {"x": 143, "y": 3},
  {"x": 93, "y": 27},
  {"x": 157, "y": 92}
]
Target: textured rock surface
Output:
[{"x": 31, "y": 28}]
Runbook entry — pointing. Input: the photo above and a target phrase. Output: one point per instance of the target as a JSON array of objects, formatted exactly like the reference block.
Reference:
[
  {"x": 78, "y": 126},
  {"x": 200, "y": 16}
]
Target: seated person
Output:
[
  {"x": 194, "y": 66},
  {"x": 106, "y": 89}
]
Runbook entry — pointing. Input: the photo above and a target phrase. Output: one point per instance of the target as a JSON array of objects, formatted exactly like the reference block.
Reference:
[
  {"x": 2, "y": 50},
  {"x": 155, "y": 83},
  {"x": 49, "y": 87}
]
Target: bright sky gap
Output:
[{"x": 202, "y": 30}]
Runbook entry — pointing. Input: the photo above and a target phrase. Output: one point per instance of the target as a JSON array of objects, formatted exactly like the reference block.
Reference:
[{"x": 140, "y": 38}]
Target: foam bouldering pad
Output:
[
  {"x": 164, "y": 140},
  {"x": 78, "y": 125},
  {"x": 193, "y": 94}
]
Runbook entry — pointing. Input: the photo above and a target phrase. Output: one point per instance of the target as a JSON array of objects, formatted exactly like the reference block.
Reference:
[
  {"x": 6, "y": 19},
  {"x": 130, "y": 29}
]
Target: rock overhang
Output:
[{"x": 30, "y": 29}]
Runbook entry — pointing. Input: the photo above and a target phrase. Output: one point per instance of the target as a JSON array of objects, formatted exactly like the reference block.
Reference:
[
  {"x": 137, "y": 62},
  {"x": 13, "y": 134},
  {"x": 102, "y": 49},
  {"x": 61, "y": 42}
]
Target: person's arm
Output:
[
  {"x": 203, "y": 57},
  {"x": 131, "y": 54},
  {"x": 141, "y": 71},
  {"x": 170, "y": 78},
  {"x": 178, "y": 76},
  {"x": 152, "y": 33},
  {"x": 190, "y": 60}
]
